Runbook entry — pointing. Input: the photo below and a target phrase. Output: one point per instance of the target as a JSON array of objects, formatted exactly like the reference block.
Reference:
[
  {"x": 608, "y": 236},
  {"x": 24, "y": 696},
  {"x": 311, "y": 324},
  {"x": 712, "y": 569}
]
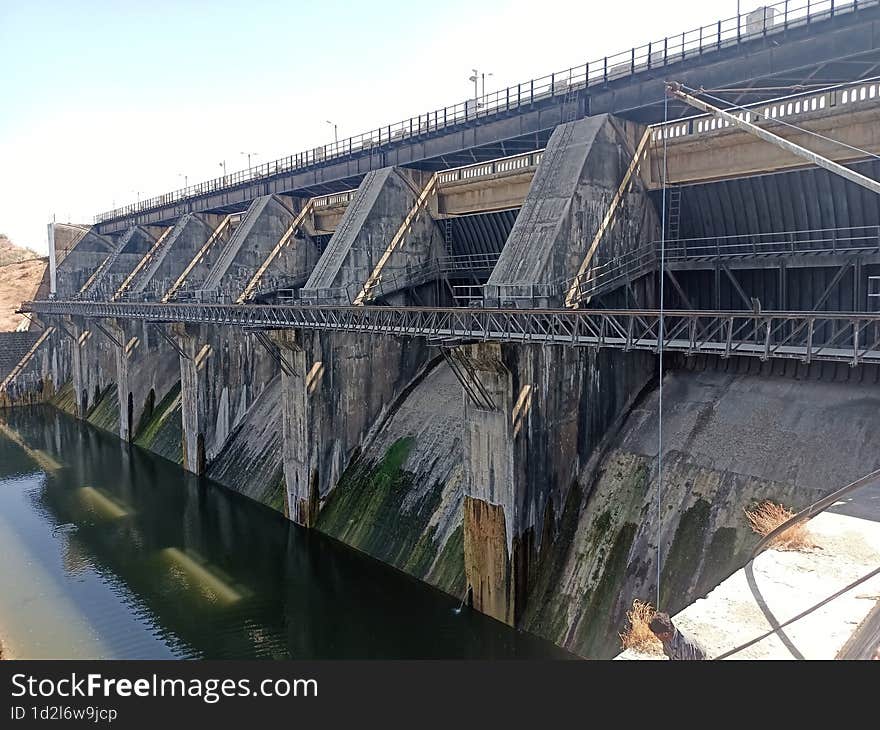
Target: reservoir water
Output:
[{"x": 109, "y": 551}]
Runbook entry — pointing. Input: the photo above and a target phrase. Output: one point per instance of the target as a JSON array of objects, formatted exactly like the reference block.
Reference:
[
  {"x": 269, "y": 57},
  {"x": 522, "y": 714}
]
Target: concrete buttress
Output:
[{"x": 535, "y": 416}]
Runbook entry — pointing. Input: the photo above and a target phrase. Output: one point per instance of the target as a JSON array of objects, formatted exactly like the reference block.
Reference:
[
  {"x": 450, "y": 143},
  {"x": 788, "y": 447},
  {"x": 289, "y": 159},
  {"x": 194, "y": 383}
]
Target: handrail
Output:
[
  {"x": 721, "y": 34},
  {"x": 844, "y": 337}
]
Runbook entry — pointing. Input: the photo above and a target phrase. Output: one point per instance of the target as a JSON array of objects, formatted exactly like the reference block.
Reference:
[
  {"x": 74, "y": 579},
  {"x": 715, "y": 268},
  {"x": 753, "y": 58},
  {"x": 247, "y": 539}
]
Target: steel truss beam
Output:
[{"x": 856, "y": 336}]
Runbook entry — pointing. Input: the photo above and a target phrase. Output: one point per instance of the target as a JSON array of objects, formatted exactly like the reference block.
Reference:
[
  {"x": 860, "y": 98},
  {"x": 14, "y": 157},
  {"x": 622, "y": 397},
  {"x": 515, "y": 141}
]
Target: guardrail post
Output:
[
  {"x": 632, "y": 62},
  {"x": 649, "y": 60},
  {"x": 832, "y": 8},
  {"x": 553, "y": 84},
  {"x": 719, "y": 34},
  {"x": 605, "y": 72}
]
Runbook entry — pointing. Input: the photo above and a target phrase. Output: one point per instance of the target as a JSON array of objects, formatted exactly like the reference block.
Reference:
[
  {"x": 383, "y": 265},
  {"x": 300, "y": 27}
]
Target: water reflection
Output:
[{"x": 111, "y": 551}]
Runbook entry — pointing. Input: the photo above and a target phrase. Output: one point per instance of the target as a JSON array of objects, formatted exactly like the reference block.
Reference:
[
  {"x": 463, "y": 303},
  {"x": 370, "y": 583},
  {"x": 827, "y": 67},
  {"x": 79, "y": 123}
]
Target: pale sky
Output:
[{"x": 105, "y": 99}]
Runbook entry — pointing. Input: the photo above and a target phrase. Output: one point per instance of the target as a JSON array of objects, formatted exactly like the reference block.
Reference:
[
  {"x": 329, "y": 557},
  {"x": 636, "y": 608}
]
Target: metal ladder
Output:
[
  {"x": 570, "y": 104},
  {"x": 673, "y": 213}
]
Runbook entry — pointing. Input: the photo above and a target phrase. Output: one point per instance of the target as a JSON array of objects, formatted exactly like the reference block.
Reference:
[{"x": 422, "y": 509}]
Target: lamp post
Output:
[
  {"x": 223, "y": 165},
  {"x": 477, "y": 78},
  {"x": 249, "y": 155},
  {"x": 185, "y": 179},
  {"x": 335, "y": 130}
]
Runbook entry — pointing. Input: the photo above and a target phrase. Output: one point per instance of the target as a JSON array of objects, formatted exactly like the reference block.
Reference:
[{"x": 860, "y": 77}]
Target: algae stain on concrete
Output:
[
  {"x": 367, "y": 511},
  {"x": 105, "y": 412},
  {"x": 161, "y": 434}
]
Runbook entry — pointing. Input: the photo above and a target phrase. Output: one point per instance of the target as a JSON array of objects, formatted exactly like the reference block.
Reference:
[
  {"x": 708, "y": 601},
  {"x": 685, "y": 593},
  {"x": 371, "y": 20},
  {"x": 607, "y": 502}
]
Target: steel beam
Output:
[{"x": 758, "y": 334}]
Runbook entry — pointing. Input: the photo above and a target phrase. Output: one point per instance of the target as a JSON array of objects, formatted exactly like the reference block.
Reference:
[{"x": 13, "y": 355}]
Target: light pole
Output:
[
  {"x": 185, "y": 179},
  {"x": 335, "y": 130},
  {"x": 248, "y": 155},
  {"x": 478, "y": 77},
  {"x": 223, "y": 165}
]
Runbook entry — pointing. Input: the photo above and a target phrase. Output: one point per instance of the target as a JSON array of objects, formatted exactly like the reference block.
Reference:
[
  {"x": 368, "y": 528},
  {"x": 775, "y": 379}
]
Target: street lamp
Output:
[
  {"x": 185, "y": 179},
  {"x": 249, "y": 154},
  {"x": 479, "y": 77},
  {"x": 223, "y": 165},
  {"x": 335, "y": 131}
]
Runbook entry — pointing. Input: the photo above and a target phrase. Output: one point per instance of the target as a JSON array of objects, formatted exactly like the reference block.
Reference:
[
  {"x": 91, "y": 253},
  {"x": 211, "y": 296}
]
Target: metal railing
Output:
[
  {"x": 852, "y": 338},
  {"x": 408, "y": 276},
  {"x": 825, "y": 241},
  {"x": 777, "y": 18},
  {"x": 817, "y": 241}
]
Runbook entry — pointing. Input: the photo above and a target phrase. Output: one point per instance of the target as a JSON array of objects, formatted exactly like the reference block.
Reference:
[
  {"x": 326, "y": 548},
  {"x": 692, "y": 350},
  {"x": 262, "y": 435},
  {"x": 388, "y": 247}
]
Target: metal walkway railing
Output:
[
  {"x": 852, "y": 338},
  {"x": 689, "y": 253}
]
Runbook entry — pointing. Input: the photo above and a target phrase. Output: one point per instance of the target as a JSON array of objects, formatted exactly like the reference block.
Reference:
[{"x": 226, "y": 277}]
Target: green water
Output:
[{"x": 109, "y": 551}]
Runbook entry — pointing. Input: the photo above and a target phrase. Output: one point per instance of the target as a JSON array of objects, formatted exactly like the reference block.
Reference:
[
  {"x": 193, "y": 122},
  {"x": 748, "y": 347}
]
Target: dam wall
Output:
[
  {"x": 733, "y": 434},
  {"x": 516, "y": 475}
]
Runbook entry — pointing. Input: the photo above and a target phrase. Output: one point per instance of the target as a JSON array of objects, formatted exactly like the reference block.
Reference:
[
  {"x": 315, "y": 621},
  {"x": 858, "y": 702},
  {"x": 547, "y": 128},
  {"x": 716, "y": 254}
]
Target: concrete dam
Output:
[{"x": 452, "y": 343}]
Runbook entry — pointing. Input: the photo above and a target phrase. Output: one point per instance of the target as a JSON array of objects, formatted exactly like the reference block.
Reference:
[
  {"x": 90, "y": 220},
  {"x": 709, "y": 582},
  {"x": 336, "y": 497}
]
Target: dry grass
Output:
[
  {"x": 638, "y": 636},
  {"x": 766, "y": 516}
]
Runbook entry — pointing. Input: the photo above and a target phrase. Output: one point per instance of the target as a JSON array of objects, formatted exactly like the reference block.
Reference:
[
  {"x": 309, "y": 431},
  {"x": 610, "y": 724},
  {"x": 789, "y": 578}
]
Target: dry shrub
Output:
[
  {"x": 766, "y": 516},
  {"x": 638, "y": 636}
]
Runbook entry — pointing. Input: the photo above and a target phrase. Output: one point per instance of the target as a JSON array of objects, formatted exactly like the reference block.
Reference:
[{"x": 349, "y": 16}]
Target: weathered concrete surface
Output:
[
  {"x": 260, "y": 230},
  {"x": 729, "y": 440},
  {"x": 551, "y": 411},
  {"x": 373, "y": 217},
  {"x": 517, "y": 476},
  {"x": 250, "y": 463},
  {"x": 728, "y": 153},
  {"x": 339, "y": 386},
  {"x": 191, "y": 231},
  {"x": 80, "y": 252},
  {"x": 130, "y": 249},
  {"x": 578, "y": 176},
  {"x": 401, "y": 499},
  {"x": 146, "y": 370},
  {"x": 221, "y": 373}
]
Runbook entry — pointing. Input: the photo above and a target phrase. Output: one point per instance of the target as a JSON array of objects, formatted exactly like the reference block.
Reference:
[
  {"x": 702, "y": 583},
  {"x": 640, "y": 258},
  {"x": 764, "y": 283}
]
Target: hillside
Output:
[
  {"x": 10, "y": 253},
  {"x": 22, "y": 272}
]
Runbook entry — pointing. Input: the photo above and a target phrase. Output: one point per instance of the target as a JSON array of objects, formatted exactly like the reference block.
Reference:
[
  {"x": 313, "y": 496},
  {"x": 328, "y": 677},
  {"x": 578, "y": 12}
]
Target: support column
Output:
[
  {"x": 298, "y": 381},
  {"x": 122, "y": 349},
  {"x": 79, "y": 335},
  {"x": 192, "y": 360},
  {"x": 490, "y": 481}
]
